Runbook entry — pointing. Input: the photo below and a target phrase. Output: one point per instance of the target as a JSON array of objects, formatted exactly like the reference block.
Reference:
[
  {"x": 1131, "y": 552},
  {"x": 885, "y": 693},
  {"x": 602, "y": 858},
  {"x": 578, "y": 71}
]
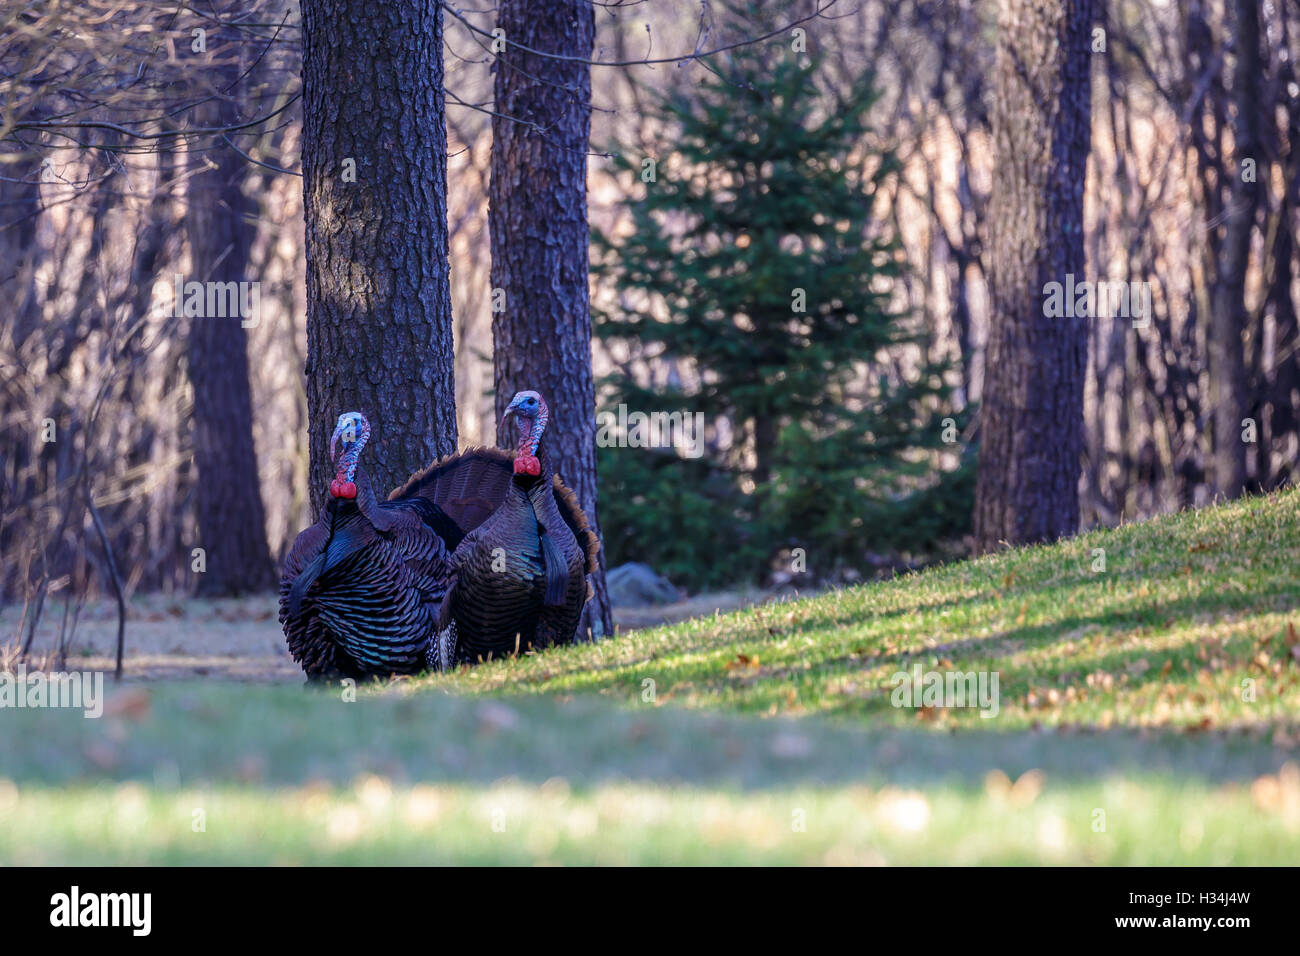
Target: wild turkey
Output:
[
  {"x": 519, "y": 576},
  {"x": 361, "y": 588}
]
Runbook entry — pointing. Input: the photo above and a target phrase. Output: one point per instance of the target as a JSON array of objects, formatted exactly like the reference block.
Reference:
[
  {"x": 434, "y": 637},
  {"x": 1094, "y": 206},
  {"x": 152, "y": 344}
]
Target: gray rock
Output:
[{"x": 636, "y": 585}]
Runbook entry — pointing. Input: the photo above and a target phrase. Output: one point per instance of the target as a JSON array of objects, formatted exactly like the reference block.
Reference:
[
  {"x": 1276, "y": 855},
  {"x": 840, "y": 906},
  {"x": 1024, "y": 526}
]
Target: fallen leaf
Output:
[
  {"x": 1026, "y": 790},
  {"x": 742, "y": 660},
  {"x": 102, "y": 755},
  {"x": 997, "y": 784},
  {"x": 131, "y": 704},
  {"x": 493, "y": 717},
  {"x": 790, "y": 746},
  {"x": 250, "y": 768}
]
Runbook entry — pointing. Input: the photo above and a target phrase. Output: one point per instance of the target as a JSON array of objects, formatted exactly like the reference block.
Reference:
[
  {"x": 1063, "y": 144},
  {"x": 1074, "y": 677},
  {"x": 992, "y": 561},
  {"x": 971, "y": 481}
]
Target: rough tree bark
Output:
[
  {"x": 1032, "y": 416},
  {"x": 1281, "y": 376},
  {"x": 538, "y": 224},
  {"x": 1228, "y": 319},
  {"x": 221, "y": 225},
  {"x": 379, "y": 333}
]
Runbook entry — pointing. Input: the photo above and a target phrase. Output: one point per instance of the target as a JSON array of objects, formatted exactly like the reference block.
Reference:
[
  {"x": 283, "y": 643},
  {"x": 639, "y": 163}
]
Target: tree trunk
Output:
[
  {"x": 1229, "y": 402},
  {"x": 1281, "y": 376},
  {"x": 19, "y": 215},
  {"x": 221, "y": 225},
  {"x": 1032, "y": 417},
  {"x": 538, "y": 223},
  {"x": 374, "y": 159}
]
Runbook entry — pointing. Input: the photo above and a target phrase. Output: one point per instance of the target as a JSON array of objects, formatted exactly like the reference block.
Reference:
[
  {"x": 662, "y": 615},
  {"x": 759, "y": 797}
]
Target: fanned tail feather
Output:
[
  {"x": 576, "y": 519},
  {"x": 433, "y": 516}
]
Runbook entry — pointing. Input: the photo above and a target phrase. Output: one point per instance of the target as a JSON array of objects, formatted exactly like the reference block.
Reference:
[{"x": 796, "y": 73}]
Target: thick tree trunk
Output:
[
  {"x": 1229, "y": 401},
  {"x": 1281, "y": 376},
  {"x": 1032, "y": 417},
  {"x": 538, "y": 223},
  {"x": 379, "y": 334},
  {"x": 221, "y": 225}
]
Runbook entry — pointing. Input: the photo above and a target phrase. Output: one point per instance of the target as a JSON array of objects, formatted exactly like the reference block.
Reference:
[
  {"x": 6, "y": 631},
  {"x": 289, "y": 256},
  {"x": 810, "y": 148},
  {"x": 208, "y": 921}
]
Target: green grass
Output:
[
  {"x": 1123, "y": 733},
  {"x": 374, "y": 823},
  {"x": 1188, "y": 621}
]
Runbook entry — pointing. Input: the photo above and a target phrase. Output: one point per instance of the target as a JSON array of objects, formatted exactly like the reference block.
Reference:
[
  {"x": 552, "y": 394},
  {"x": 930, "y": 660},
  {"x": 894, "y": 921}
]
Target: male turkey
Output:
[
  {"x": 519, "y": 577},
  {"x": 361, "y": 588}
]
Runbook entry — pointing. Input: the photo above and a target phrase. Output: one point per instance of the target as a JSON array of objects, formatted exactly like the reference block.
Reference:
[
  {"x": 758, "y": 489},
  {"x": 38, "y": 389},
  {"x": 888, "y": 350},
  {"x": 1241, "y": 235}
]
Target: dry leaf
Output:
[
  {"x": 131, "y": 704},
  {"x": 1026, "y": 790},
  {"x": 790, "y": 746},
  {"x": 997, "y": 784},
  {"x": 493, "y": 717},
  {"x": 742, "y": 660}
]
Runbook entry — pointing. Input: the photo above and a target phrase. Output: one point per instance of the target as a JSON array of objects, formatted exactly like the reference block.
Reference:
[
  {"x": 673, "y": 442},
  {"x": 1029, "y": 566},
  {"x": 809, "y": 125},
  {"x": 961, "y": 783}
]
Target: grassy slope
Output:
[{"x": 1188, "y": 608}]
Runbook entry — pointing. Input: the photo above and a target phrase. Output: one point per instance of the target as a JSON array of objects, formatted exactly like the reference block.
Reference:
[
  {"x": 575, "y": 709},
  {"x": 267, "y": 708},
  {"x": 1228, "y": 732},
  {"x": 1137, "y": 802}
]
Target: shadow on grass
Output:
[
  {"x": 992, "y": 651},
  {"x": 558, "y": 664},
  {"x": 191, "y": 735}
]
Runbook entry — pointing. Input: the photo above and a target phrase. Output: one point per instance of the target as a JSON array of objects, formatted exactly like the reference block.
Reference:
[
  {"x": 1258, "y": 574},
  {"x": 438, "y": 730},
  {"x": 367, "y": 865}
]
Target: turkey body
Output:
[
  {"x": 519, "y": 576},
  {"x": 503, "y": 572},
  {"x": 357, "y": 601}
]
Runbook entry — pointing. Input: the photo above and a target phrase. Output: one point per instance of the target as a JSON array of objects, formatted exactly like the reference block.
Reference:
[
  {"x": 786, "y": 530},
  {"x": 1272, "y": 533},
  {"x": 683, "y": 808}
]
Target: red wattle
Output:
[
  {"x": 343, "y": 489},
  {"x": 527, "y": 465}
]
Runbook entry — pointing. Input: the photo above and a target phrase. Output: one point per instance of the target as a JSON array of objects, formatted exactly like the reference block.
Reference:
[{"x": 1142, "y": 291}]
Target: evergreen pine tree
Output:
[{"x": 753, "y": 254}]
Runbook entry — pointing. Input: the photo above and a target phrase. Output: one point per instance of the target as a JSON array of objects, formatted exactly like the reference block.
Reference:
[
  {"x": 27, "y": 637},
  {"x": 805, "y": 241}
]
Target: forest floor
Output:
[{"x": 1147, "y": 711}]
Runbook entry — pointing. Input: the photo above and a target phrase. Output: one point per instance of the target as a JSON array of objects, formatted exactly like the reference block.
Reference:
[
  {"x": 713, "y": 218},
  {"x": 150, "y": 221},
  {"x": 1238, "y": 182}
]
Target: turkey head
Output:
[
  {"x": 353, "y": 430},
  {"x": 530, "y": 414}
]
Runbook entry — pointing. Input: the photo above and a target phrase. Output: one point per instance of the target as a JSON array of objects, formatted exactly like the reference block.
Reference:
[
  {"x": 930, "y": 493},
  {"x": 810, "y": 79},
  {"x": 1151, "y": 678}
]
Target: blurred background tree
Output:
[{"x": 755, "y": 253}]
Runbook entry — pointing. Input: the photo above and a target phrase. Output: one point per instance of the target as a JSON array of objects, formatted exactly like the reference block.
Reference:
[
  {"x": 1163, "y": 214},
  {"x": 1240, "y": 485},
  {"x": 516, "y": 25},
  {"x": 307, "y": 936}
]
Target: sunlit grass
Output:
[
  {"x": 373, "y": 822},
  {"x": 1190, "y": 624}
]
